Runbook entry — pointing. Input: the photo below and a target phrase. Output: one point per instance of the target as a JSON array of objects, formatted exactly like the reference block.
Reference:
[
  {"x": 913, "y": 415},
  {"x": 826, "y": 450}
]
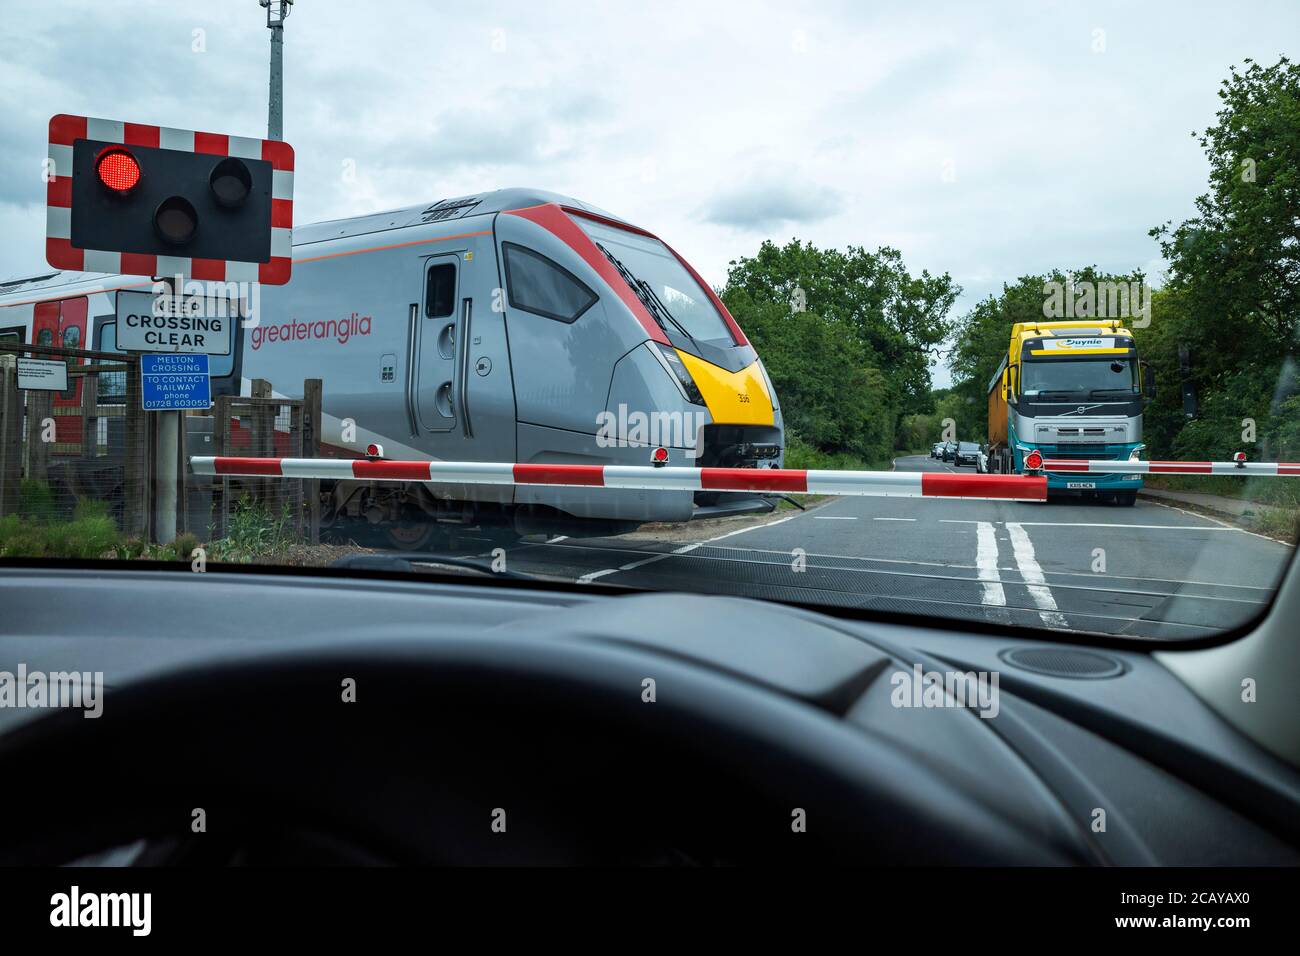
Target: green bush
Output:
[
  {"x": 799, "y": 454},
  {"x": 36, "y": 499},
  {"x": 90, "y": 534},
  {"x": 255, "y": 531}
]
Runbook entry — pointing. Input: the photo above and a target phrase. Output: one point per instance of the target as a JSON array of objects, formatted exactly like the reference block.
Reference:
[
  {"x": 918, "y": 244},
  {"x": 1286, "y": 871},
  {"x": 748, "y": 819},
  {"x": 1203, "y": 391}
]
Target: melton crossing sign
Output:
[{"x": 174, "y": 382}]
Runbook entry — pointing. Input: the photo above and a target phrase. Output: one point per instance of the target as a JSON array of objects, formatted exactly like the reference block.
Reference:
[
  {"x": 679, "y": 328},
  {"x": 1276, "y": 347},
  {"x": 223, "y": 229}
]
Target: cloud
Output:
[
  {"x": 770, "y": 203},
  {"x": 512, "y": 126},
  {"x": 987, "y": 144}
]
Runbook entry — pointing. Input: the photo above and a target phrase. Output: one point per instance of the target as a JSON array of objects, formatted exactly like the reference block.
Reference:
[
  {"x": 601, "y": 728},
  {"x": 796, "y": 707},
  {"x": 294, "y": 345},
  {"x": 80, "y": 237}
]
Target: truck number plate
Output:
[{"x": 1081, "y": 484}]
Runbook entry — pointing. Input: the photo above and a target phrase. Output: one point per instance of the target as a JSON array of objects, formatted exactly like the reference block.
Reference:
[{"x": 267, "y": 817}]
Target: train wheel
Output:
[{"x": 410, "y": 535}]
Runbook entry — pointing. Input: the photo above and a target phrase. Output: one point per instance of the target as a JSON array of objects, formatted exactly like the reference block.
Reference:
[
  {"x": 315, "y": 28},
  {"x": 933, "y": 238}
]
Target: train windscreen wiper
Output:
[
  {"x": 647, "y": 296},
  {"x": 663, "y": 309}
]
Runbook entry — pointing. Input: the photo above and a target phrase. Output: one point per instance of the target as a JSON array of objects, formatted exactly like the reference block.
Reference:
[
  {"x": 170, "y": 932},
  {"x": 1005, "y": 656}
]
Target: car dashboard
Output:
[{"x": 375, "y": 719}]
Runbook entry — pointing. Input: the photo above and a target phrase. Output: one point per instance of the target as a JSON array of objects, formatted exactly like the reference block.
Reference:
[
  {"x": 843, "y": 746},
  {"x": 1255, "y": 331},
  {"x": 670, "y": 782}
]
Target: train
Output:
[{"x": 516, "y": 325}]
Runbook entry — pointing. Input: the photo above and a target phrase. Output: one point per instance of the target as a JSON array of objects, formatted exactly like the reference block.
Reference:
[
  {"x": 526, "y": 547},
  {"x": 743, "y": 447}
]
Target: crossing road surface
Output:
[{"x": 1148, "y": 570}]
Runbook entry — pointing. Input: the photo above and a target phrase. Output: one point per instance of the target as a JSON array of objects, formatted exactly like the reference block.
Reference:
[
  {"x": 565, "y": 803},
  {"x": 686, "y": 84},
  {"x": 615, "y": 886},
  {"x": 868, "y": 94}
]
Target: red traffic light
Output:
[
  {"x": 1034, "y": 460},
  {"x": 118, "y": 170}
]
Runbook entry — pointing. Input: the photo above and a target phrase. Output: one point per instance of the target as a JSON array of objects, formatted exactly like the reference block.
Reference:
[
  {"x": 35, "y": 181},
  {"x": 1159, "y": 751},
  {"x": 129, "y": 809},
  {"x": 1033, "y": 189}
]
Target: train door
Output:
[
  {"x": 62, "y": 323},
  {"x": 439, "y": 336},
  {"x": 461, "y": 395}
]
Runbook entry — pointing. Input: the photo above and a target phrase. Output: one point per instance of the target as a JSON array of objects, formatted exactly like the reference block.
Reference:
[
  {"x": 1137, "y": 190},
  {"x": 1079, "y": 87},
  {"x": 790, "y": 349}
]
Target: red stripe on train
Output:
[
  {"x": 560, "y": 475},
  {"x": 940, "y": 485}
]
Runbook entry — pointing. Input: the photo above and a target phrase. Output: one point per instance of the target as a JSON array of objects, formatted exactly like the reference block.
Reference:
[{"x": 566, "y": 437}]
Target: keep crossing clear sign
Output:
[{"x": 172, "y": 382}]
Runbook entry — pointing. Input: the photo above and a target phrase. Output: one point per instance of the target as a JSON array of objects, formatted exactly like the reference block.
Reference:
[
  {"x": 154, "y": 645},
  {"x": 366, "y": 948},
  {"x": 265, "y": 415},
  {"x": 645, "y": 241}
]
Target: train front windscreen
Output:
[{"x": 647, "y": 260}]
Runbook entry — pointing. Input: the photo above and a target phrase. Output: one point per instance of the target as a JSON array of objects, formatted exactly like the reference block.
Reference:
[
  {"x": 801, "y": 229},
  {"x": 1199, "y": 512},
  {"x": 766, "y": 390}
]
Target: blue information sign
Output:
[{"x": 175, "y": 381}]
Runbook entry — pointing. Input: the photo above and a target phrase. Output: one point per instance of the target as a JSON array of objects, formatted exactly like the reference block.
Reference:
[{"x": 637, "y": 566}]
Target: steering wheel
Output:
[{"x": 502, "y": 749}]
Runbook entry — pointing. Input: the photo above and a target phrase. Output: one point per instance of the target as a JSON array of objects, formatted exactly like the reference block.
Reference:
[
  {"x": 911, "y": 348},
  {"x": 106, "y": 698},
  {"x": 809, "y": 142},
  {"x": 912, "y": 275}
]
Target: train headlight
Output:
[{"x": 674, "y": 364}]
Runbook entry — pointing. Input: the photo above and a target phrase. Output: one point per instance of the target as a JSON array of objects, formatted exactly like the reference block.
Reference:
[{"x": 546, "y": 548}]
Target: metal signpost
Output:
[{"x": 172, "y": 384}]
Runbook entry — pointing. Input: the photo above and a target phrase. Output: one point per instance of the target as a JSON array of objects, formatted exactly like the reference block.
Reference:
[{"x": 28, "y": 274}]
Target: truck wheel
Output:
[{"x": 1126, "y": 498}]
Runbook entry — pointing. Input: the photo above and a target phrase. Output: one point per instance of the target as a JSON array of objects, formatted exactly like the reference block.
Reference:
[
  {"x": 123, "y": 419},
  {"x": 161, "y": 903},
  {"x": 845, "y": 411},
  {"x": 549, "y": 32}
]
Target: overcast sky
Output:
[{"x": 988, "y": 140}]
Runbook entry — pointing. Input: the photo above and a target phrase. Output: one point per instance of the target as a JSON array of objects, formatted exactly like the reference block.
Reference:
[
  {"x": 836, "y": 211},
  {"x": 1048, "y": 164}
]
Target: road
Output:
[{"x": 1147, "y": 570}]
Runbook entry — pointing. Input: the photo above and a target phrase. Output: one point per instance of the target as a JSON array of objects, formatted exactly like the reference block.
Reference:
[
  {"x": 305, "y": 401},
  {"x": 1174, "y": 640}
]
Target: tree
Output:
[
  {"x": 831, "y": 396},
  {"x": 900, "y": 319},
  {"x": 1239, "y": 257},
  {"x": 1233, "y": 296}
]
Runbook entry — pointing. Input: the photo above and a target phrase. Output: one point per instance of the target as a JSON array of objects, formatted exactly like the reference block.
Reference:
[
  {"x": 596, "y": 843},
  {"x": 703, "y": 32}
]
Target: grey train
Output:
[{"x": 512, "y": 326}]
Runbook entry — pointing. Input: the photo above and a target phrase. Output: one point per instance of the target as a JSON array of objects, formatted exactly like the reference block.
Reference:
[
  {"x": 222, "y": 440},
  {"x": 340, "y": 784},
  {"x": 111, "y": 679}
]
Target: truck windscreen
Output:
[{"x": 1079, "y": 377}]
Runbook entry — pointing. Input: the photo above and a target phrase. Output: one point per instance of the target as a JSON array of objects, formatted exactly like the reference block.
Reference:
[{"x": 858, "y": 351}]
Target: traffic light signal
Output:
[{"x": 149, "y": 200}]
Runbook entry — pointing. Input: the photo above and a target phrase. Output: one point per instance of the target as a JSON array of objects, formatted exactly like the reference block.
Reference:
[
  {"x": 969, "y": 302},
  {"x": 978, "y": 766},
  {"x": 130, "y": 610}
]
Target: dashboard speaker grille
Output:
[{"x": 1066, "y": 662}]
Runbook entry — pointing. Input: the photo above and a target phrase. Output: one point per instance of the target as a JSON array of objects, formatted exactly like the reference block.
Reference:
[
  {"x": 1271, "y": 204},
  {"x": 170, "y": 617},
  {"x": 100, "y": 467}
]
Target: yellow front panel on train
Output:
[{"x": 733, "y": 398}]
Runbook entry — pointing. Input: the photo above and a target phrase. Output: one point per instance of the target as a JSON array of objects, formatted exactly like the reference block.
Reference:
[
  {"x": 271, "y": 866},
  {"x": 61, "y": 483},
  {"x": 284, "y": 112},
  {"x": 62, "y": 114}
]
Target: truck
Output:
[{"x": 1073, "y": 389}]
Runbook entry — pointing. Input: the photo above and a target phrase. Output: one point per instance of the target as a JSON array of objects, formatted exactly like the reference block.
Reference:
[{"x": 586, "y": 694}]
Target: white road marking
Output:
[
  {"x": 893, "y": 519},
  {"x": 685, "y": 549},
  {"x": 1102, "y": 524},
  {"x": 1026, "y": 561},
  {"x": 834, "y": 518},
  {"x": 986, "y": 559},
  {"x": 1111, "y": 579},
  {"x": 1107, "y": 524}
]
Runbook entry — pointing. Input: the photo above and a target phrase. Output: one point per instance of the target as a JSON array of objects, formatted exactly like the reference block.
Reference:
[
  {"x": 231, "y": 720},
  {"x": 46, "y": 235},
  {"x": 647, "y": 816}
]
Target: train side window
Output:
[
  {"x": 536, "y": 284},
  {"x": 440, "y": 293},
  {"x": 112, "y": 385}
]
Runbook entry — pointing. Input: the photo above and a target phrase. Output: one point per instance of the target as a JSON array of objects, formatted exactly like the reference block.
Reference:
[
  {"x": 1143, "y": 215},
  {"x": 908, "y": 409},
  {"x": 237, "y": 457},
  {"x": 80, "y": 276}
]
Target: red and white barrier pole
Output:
[
  {"x": 899, "y": 484},
  {"x": 1243, "y": 469}
]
